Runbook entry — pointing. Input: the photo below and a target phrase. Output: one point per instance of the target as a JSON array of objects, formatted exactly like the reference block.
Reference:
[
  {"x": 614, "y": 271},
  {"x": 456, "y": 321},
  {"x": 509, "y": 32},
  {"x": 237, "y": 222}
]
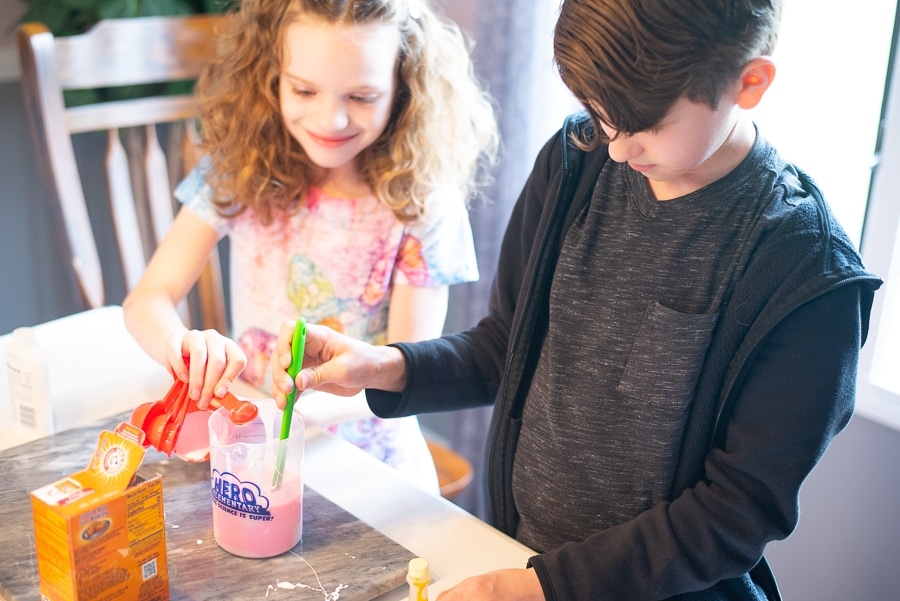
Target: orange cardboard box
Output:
[{"x": 100, "y": 533}]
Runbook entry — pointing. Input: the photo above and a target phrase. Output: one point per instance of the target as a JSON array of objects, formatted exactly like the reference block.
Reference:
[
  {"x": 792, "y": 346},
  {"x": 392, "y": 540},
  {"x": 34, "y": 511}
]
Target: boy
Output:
[{"x": 673, "y": 334}]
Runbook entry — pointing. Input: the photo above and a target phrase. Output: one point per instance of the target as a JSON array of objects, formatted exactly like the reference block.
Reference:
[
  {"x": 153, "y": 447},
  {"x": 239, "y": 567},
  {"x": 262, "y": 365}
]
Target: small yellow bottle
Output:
[{"x": 418, "y": 579}]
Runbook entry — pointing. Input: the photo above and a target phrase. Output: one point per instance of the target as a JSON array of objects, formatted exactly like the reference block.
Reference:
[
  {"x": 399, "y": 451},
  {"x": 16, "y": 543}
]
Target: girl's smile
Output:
[{"x": 330, "y": 141}]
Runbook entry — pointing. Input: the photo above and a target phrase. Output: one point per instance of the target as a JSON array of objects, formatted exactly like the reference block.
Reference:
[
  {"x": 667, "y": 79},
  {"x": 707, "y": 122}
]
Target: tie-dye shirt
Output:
[{"x": 334, "y": 262}]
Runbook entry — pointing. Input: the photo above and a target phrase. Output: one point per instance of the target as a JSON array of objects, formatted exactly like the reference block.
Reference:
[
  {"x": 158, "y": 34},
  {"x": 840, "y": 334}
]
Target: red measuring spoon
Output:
[
  {"x": 156, "y": 430},
  {"x": 239, "y": 411},
  {"x": 144, "y": 413},
  {"x": 179, "y": 410}
]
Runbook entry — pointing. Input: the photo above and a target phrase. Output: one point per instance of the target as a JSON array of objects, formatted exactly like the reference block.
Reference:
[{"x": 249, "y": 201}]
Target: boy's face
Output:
[
  {"x": 337, "y": 89},
  {"x": 690, "y": 148}
]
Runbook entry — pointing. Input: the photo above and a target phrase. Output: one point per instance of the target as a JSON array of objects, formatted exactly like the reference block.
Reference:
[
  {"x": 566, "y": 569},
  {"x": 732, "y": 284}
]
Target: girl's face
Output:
[
  {"x": 337, "y": 89},
  {"x": 691, "y": 147}
]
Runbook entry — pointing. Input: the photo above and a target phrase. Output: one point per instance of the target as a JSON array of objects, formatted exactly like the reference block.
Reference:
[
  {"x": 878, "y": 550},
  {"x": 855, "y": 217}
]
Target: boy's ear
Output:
[{"x": 755, "y": 79}]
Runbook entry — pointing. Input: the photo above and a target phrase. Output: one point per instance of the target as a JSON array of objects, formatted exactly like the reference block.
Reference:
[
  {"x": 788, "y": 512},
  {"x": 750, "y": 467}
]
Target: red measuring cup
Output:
[{"x": 162, "y": 421}]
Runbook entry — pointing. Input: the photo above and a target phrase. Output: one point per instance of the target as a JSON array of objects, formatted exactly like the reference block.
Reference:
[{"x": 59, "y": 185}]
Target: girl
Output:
[{"x": 341, "y": 141}]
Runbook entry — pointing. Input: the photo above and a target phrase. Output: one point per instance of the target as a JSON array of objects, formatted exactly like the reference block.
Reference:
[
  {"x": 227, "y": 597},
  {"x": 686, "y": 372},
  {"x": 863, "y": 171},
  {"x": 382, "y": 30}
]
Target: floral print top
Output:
[{"x": 334, "y": 262}]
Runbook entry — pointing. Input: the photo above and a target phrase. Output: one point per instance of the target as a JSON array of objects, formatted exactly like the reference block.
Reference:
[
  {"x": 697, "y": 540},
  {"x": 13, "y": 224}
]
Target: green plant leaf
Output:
[
  {"x": 180, "y": 87},
  {"x": 118, "y": 9},
  {"x": 79, "y": 97},
  {"x": 78, "y": 5},
  {"x": 48, "y": 12},
  {"x": 213, "y": 6}
]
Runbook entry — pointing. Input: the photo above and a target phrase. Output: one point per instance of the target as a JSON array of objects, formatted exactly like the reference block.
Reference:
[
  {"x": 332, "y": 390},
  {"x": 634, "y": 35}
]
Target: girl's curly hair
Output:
[{"x": 442, "y": 132}]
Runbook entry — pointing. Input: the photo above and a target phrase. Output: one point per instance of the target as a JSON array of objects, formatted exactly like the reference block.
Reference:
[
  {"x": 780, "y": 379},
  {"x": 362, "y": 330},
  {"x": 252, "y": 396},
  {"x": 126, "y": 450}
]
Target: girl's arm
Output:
[
  {"x": 152, "y": 318},
  {"x": 417, "y": 313}
]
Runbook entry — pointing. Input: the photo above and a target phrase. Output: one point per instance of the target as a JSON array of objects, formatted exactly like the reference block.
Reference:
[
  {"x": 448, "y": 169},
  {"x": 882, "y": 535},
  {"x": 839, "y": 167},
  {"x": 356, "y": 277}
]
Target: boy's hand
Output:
[
  {"x": 517, "y": 584},
  {"x": 208, "y": 361},
  {"x": 335, "y": 363}
]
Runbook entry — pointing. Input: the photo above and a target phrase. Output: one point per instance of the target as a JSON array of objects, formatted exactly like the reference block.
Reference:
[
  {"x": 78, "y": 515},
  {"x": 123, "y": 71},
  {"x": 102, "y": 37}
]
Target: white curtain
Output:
[{"x": 513, "y": 58}]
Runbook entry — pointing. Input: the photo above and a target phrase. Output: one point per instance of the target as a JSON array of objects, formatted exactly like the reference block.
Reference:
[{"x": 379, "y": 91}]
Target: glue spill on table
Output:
[{"x": 289, "y": 586}]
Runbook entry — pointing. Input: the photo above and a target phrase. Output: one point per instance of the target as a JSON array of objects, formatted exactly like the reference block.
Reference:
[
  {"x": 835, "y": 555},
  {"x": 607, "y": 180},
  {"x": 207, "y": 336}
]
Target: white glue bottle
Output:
[
  {"x": 418, "y": 579},
  {"x": 26, "y": 368}
]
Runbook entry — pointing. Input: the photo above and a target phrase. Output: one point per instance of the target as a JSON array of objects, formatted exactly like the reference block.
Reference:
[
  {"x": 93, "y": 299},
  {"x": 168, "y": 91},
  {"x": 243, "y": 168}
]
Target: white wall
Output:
[{"x": 11, "y": 12}]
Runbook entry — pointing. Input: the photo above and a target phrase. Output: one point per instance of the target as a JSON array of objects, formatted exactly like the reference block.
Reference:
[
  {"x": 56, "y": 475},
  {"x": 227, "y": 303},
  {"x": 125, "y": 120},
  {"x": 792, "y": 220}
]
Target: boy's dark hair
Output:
[{"x": 636, "y": 58}]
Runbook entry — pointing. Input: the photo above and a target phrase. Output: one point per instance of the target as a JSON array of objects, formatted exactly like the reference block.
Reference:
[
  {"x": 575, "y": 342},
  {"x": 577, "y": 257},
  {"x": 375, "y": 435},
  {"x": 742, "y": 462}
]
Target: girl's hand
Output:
[
  {"x": 335, "y": 363},
  {"x": 512, "y": 584},
  {"x": 208, "y": 361}
]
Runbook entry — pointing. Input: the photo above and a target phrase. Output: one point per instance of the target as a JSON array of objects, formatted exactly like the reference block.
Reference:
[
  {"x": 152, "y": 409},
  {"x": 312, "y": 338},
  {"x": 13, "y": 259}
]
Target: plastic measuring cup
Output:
[
  {"x": 176, "y": 424},
  {"x": 250, "y": 517}
]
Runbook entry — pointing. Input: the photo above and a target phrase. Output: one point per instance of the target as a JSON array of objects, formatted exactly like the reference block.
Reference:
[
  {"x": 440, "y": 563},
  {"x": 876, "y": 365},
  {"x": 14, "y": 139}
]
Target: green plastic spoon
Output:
[{"x": 298, "y": 344}]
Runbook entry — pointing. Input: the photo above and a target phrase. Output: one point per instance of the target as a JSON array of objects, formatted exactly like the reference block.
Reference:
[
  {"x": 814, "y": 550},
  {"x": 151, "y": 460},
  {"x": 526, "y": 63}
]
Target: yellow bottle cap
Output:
[{"x": 418, "y": 569}]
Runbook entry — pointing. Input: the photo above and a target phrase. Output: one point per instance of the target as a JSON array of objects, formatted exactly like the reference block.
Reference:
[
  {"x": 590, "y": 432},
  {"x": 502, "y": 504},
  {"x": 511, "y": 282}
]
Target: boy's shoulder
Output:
[{"x": 795, "y": 218}]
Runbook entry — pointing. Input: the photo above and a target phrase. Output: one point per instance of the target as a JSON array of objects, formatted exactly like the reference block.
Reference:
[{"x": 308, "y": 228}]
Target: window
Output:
[
  {"x": 879, "y": 381},
  {"x": 824, "y": 112}
]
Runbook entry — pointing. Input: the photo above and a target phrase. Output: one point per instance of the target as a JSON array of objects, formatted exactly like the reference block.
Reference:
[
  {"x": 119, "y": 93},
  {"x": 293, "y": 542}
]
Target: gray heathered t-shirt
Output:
[{"x": 635, "y": 297}]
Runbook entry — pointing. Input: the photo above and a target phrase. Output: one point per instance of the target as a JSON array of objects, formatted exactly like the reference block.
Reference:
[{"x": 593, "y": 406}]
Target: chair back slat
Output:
[
  {"x": 137, "y": 51},
  {"x": 124, "y": 210},
  {"x": 130, "y": 113},
  {"x": 159, "y": 193},
  {"x": 139, "y": 172}
]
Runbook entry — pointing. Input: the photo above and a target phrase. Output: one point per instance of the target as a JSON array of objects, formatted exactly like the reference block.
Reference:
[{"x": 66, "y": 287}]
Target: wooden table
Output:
[
  {"x": 338, "y": 552},
  {"x": 348, "y": 481}
]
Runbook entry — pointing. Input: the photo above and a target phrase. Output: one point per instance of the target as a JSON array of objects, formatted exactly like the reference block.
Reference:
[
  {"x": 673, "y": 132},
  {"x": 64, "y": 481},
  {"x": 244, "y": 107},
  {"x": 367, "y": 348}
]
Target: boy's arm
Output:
[
  {"x": 463, "y": 369},
  {"x": 416, "y": 313}
]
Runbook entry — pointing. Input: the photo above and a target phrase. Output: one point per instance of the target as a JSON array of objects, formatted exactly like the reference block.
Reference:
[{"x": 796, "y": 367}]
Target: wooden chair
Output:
[
  {"x": 454, "y": 471},
  {"x": 139, "y": 174}
]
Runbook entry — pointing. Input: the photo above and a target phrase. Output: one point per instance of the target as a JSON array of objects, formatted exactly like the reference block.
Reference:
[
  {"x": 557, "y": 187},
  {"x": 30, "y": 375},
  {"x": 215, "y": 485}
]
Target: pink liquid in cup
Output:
[
  {"x": 250, "y": 519},
  {"x": 192, "y": 443}
]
